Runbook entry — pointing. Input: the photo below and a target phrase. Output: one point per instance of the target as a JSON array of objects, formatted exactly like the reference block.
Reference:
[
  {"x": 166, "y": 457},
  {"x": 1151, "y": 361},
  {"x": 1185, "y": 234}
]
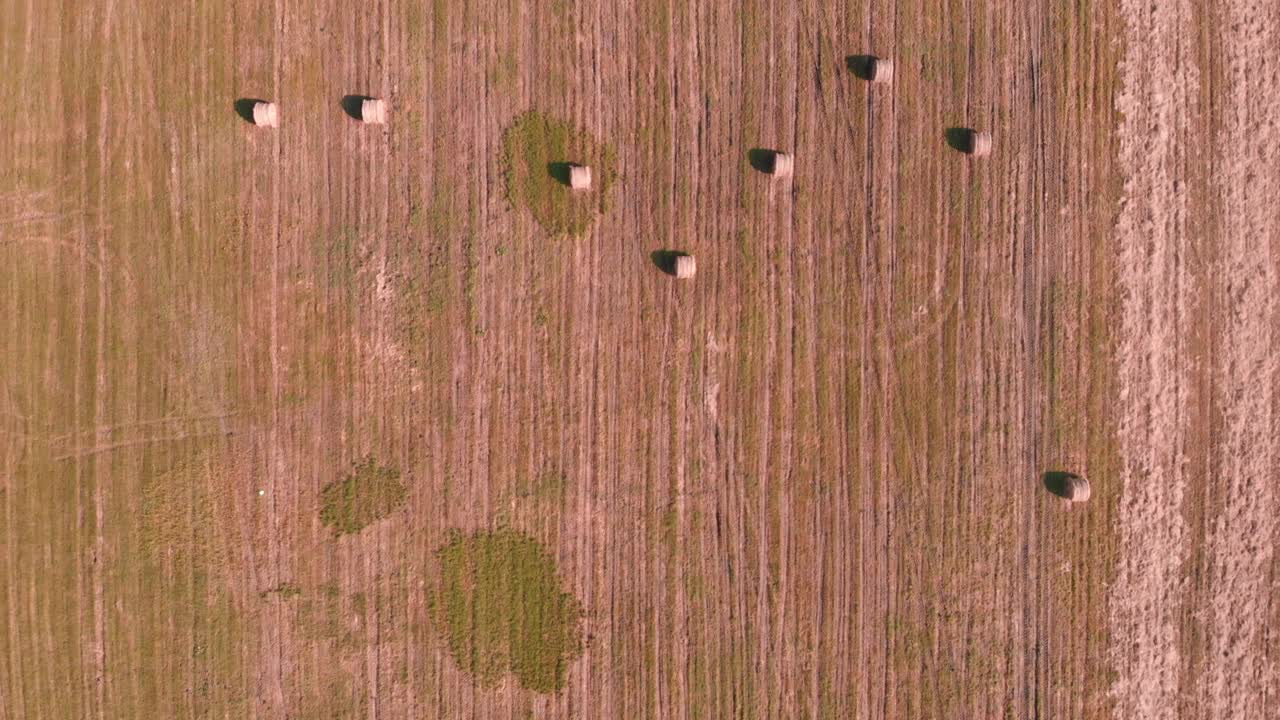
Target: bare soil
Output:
[{"x": 1194, "y": 604}]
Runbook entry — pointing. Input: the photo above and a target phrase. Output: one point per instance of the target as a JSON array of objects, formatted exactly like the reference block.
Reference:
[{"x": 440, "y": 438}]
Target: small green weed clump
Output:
[
  {"x": 370, "y": 493},
  {"x": 284, "y": 591}
]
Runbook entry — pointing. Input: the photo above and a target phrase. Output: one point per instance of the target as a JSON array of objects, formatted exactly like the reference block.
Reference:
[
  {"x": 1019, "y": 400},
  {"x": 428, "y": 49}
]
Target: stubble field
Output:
[{"x": 343, "y": 420}]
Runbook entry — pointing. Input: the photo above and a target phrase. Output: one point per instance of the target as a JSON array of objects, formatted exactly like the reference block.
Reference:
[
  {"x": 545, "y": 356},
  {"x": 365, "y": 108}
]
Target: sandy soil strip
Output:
[
  {"x": 1159, "y": 80},
  {"x": 1240, "y": 545}
]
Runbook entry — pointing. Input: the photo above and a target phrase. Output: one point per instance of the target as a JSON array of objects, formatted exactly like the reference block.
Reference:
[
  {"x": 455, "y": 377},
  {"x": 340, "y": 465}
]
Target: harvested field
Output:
[{"x": 343, "y": 419}]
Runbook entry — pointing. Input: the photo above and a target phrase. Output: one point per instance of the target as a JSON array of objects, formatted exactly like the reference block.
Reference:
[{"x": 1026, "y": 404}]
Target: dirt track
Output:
[{"x": 805, "y": 484}]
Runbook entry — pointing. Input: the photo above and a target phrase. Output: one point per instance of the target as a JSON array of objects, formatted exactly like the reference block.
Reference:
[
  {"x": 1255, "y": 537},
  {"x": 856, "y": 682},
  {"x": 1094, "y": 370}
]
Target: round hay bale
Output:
[
  {"x": 686, "y": 267},
  {"x": 374, "y": 111},
  {"x": 880, "y": 70},
  {"x": 980, "y": 143},
  {"x": 1076, "y": 489},
  {"x": 783, "y": 164},
  {"x": 579, "y": 177},
  {"x": 266, "y": 114}
]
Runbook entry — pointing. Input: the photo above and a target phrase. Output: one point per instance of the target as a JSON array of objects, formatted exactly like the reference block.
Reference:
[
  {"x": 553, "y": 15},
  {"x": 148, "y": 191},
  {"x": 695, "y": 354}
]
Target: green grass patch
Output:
[
  {"x": 370, "y": 493},
  {"x": 501, "y": 609},
  {"x": 536, "y": 151}
]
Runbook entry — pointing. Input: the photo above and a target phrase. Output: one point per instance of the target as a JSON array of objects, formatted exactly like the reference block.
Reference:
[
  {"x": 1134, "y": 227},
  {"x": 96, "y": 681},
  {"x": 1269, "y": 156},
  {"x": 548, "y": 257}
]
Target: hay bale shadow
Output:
[
  {"x": 353, "y": 105},
  {"x": 860, "y": 65},
  {"x": 960, "y": 139},
  {"x": 244, "y": 108},
  {"x": 1057, "y": 482},
  {"x": 559, "y": 171},
  {"x": 762, "y": 159},
  {"x": 665, "y": 260}
]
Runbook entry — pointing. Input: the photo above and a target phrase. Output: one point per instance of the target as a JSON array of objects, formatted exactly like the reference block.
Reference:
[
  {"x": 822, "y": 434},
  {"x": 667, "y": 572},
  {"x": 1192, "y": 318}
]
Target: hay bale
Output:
[
  {"x": 374, "y": 111},
  {"x": 579, "y": 177},
  {"x": 783, "y": 164},
  {"x": 1076, "y": 489},
  {"x": 686, "y": 267},
  {"x": 880, "y": 70},
  {"x": 979, "y": 143},
  {"x": 266, "y": 114}
]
